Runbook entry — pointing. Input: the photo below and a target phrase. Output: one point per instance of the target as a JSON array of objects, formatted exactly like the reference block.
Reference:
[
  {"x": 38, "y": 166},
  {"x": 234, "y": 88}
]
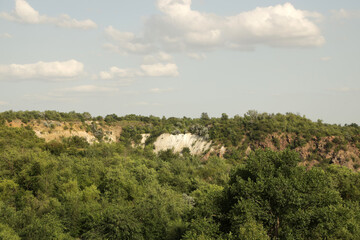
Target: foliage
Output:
[
  {"x": 271, "y": 192},
  {"x": 73, "y": 190}
]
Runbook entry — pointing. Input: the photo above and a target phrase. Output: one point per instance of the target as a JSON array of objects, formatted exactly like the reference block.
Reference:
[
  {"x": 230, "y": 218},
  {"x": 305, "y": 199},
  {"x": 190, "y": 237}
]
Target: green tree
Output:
[
  {"x": 204, "y": 116},
  {"x": 288, "y": 201}
]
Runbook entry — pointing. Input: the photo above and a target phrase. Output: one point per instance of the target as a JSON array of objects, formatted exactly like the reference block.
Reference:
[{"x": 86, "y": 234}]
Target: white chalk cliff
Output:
[{"x": 197, "y": 145}]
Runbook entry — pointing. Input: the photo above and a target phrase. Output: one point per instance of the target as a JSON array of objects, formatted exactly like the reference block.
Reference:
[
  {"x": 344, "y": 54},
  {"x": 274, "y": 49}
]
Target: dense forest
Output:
[{"x": 71, "y": 189}]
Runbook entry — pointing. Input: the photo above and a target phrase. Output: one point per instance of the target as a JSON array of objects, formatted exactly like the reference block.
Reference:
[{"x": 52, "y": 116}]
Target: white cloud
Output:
[
  {"x": 67, "y": 22},
  {"x": 160, "y": 70},
  {"x": 181, "y": 28},
  {"x": 160, "y": 90},
  {"x": 125, "y": 42},
  {"x": 345, "y": 14},
  {"x": 197, "y": 56},
  {"x": 5, "y": 35},
  {"x": 24, "y": 13},
  {"x": 90, "y": 89},
  {"x": 42, "y": 70},
  {"x": 146, "y": 70},
  {"x": 116, "y": 72},
  {"x": 3, "y": 103},
  {"x": 158, "y": 57},
  {"x": 116, "y": 35}
]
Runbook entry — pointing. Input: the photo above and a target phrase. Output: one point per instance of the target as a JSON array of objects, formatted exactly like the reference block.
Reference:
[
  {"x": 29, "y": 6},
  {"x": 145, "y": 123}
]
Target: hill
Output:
[
  {"x": 231, "y": 138},
  {"x": 243, "y": 184}
]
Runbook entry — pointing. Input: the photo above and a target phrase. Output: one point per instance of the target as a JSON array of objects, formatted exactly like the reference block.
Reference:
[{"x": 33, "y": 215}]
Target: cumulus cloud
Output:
[
  {"x": 24, "y": 13},
  {"x": 42, "y": 70},
  {"x": 158, "y": 57},
  {"x": 180, "y": 28},
  {"x": 125, "y": 42},
  {"x": 146, "y": 70},
  {"x": 67, "y": 22},
  {"x": 115, "y": 72},
  {"x": 197, "y": 56},
  {"x": 345, "y": 14},
  {"x": 160, "y": 70},
  {"x": 5, "y": 35}
]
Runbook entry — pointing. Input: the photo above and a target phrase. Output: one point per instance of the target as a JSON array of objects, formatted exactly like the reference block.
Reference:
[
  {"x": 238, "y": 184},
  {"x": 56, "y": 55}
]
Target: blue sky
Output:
[{"x": 182, "y": 57}]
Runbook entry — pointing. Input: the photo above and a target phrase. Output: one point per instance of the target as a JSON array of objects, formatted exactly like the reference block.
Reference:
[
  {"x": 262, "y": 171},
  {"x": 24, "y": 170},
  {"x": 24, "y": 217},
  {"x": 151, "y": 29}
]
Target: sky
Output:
[{"x": 182, "y": 57}]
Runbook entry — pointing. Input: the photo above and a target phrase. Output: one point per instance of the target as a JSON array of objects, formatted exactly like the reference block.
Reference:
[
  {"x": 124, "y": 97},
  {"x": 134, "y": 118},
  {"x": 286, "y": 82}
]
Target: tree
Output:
[
  {"x": 224, "y": 117},
  {"x": 8, "y": 233},
  {"x": 288, "y": 201},
  {"x": 204, "y": 116}
]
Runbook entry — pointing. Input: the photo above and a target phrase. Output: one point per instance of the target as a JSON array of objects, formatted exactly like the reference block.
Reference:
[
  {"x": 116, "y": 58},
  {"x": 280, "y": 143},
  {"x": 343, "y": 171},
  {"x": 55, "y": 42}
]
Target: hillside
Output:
[
  {"x": 73, "y": 176},
  {"x": 316, "y": 142}
]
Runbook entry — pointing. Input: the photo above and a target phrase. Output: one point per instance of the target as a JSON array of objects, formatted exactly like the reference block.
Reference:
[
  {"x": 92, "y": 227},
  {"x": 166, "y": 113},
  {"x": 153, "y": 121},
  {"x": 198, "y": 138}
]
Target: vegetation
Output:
[
  {"x": 253, "y": 125},
  {"x": 74, "y": 190},
  {"x": 254, "y": 130}
]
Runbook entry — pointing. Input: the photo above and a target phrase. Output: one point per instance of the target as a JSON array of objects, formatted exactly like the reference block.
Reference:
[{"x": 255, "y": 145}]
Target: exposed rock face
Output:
[
  {"x": 222, "y": 151},
  {"x": 144, "y": 136},
  {"x": 55, "y": 130},
  {"x": 57, "y": 135},
  {"x": 312, "y": 151},
  {"x": 316, "y": 147},
  {"x": 197, "y": 145}
]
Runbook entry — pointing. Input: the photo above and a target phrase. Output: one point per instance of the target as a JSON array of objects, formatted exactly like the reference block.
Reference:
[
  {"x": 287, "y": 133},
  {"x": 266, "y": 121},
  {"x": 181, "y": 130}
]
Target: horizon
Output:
[{"x": 189, "y": 117}]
